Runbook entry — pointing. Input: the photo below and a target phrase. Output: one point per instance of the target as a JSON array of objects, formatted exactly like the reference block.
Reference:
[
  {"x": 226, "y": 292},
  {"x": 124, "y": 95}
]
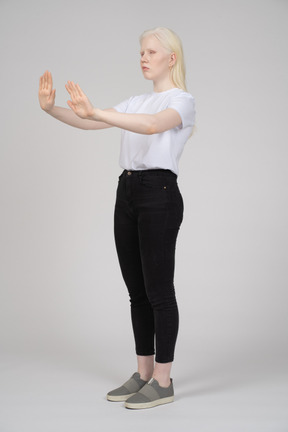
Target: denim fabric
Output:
[{"x": 147, "y": 218}]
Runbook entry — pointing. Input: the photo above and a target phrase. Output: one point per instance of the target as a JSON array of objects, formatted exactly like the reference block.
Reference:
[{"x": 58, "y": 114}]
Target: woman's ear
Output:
[{"x": 172, "y": 59}]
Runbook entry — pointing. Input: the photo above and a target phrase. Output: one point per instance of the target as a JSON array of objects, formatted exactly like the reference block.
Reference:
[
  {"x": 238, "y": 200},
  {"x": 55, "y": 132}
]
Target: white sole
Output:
[
  {"x": 149, "y": 404},
  {"x": 119, "y": 398}
]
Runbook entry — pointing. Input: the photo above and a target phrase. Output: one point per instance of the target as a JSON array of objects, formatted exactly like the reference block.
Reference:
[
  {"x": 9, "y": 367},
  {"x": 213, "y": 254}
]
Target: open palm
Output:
[
  {"x": 79, "y": 102},
  {"x": 46, "y": 95}
]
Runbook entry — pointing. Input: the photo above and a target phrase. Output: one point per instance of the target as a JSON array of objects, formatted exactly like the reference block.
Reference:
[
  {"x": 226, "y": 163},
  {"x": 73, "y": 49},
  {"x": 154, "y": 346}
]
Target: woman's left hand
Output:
[{"x": 79, "y": 103}]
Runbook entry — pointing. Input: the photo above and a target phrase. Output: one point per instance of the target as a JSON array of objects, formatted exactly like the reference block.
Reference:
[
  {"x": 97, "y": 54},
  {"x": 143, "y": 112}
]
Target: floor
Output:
[{"x": 44, "y": 395}]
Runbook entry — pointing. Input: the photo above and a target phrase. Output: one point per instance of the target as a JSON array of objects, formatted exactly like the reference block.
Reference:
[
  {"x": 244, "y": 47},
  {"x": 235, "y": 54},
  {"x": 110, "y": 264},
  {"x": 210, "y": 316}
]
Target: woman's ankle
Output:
[
  {"x": 145, "y": 367},
  {"x": 162, "y": 373},
  {"x": 162, "y": 381},
  {"x": 145, "y": 376}
]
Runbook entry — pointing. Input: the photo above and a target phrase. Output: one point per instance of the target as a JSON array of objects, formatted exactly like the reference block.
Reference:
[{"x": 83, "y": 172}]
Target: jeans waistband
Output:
[{"x": 154, "y": 172}]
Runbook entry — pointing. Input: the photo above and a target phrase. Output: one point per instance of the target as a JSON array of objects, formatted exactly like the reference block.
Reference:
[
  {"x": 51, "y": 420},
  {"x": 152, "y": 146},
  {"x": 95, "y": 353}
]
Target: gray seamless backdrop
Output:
[{"x": 62, "y": 294}]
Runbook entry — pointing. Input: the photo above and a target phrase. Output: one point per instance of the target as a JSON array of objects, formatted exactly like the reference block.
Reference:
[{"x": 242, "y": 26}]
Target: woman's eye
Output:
[{"x": 150, "y": 52}]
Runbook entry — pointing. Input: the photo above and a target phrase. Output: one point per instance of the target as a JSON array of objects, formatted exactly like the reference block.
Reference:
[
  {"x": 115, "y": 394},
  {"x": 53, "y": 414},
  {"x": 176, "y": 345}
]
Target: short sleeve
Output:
[
  {"x": 122, "y": 106},
  {"x": 184, "y": 104}
]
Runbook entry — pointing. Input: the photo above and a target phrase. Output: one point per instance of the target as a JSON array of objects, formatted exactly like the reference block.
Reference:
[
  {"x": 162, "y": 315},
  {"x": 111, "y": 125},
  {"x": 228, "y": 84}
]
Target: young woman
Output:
[{"x": 149, "y": 206}]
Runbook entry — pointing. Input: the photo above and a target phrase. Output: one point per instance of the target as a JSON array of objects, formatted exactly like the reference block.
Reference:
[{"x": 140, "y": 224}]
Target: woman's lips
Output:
[{"x": 145, "y": 68}]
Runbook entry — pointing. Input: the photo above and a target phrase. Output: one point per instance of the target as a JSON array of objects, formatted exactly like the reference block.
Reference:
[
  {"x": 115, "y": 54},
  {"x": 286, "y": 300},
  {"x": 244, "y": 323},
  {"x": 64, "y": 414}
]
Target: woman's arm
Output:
[
  {"x": 67, "y": 116},
  {"x": 139, "y": 123},
  {"x": 47, "y": 102}
]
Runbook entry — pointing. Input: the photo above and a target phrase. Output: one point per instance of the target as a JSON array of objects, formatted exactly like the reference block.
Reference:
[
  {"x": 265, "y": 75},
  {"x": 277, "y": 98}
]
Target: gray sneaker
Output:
[
  {"x": 151, "y": 395},
  {"x": 129, "y": 388}
]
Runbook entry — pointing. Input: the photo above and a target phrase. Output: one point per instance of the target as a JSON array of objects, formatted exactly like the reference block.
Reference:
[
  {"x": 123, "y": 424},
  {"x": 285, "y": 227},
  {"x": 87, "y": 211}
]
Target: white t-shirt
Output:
[{"x": 161, "y": 150}]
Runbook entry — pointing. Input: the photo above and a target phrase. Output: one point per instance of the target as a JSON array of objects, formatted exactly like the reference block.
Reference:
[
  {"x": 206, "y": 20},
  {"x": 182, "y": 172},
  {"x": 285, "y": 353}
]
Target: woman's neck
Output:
[{"x": 162, "y": 86}]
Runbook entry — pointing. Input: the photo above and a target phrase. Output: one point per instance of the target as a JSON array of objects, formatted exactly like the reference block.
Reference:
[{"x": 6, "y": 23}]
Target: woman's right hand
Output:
[{"x": 46, "y": 94}]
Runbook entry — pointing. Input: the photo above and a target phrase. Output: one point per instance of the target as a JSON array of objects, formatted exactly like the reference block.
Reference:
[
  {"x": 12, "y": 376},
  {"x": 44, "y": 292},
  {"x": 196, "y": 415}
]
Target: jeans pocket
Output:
[
  {"x": 120, "y": 176},
  {"x": 157, "y": 182}
]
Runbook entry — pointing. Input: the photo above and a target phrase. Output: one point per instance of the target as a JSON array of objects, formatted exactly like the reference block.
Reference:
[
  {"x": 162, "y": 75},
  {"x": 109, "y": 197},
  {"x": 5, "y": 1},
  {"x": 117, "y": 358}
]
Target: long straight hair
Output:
[{"x": 169, "y": 40}]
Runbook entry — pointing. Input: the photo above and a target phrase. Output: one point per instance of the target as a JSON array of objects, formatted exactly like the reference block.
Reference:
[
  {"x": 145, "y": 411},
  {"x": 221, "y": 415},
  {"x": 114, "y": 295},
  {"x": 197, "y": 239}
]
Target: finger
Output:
[
  {"x": 41, "y": 82},
  {"x": 78, "y": 89},
  {"x": 69, "y": 89},
  {"x": 74, "y": 92},
  {"x": 49, "y": 79},
  {"x": 73, "y": 88},
  {"x": 67, "y": 86},
  {"x": 53, "y": 94},
  {"x": 45, "y": 80},
  {"x": 71, "y": 105}
]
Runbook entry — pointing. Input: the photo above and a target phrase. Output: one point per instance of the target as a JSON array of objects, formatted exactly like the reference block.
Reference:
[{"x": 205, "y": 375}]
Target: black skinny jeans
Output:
[{"x": 148, "y": 215}]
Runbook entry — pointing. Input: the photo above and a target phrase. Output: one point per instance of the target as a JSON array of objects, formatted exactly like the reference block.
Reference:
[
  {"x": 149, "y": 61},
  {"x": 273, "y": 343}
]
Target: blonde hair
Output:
[{"x": 171, "y": 41}]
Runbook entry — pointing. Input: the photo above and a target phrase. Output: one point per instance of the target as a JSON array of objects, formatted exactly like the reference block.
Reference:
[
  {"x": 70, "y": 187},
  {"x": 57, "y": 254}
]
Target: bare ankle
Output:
[
  {"x": 145, "y": 367},
  {"x": 163, "y": 382},
  {"x": 162, "y": 373},
  {"x": 145, "y": 376}
]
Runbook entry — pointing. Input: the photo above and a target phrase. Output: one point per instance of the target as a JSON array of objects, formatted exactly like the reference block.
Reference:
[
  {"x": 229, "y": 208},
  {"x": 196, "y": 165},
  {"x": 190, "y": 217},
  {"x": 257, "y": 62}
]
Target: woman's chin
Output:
[{"x": 147, "y": 77}]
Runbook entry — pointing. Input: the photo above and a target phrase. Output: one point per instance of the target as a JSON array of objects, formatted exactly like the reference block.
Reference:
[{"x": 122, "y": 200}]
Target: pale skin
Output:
[{"x": 156, "y": 63}]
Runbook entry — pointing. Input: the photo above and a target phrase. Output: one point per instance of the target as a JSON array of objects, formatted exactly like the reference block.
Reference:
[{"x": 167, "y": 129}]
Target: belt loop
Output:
[{"x": 140, "y": 176}]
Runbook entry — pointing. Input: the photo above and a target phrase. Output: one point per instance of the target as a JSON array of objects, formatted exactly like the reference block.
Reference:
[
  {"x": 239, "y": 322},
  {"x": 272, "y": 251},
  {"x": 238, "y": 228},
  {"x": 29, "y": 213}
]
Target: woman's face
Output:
[{"x": 155, "y": 59}]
